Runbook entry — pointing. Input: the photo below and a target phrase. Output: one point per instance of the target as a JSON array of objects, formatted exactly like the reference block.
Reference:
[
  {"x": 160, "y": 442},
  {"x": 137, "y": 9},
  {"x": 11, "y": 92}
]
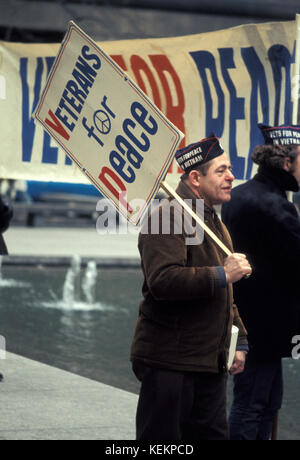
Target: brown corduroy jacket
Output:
[{"x": 186, "y": 316}]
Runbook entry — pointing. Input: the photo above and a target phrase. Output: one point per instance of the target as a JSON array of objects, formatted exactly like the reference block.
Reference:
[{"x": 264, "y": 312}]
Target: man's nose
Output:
[{"x": 230, "y": 175}]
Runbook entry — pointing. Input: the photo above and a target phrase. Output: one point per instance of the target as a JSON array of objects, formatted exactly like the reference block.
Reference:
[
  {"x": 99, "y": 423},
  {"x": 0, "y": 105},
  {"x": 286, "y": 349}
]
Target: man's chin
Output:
[{"x": 226, "y": 197}]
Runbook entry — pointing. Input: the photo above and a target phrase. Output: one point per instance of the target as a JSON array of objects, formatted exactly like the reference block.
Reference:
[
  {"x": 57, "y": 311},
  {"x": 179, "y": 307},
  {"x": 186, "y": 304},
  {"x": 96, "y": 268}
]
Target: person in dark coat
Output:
[
  {"x": 182, "y": 337},
  {"x": 6, "y": 214},
  {"x": 265, "y": 226}
]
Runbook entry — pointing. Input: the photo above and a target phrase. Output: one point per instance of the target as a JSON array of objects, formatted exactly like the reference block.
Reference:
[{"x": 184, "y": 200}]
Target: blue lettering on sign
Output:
[
  {"x": 126, "y": 158},
  {"x": 74, "y": 95},
  {"x": 102, "y": 122},
  {"x": 126, "y": 149}
]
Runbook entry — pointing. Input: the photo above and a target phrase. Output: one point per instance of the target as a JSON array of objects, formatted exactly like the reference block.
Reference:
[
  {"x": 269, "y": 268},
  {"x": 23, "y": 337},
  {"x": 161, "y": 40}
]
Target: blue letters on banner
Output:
[
  {"x": 205, "y": 60},
  {"x": 280, "y": 60},
  {"x": 236, "y": 110},
  {"x": 49, "y": 154}
]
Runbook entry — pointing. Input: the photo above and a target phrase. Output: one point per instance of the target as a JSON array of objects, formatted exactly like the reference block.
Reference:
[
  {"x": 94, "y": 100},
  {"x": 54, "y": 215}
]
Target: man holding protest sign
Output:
[
  {"x": 125, "y": 146},
  {"x": 182, "y": 337},
  {"x": 265, "y": 225}
]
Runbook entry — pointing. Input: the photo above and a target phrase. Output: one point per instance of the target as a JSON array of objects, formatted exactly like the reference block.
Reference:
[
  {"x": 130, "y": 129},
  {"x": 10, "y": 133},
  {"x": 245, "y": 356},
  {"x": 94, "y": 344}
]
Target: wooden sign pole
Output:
[{"x": 171, "y": 192}]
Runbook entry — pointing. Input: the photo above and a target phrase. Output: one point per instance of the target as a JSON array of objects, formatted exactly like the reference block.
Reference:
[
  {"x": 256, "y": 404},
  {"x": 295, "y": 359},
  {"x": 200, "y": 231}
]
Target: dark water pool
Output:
[{"x": 89, "y": 338}]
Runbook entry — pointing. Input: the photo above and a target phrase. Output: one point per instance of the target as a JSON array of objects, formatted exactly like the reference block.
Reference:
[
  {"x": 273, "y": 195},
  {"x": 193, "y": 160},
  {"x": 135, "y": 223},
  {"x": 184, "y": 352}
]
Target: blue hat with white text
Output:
[
  {"x": 198, "y": 153},
  {"x": 280, "y": 135}
]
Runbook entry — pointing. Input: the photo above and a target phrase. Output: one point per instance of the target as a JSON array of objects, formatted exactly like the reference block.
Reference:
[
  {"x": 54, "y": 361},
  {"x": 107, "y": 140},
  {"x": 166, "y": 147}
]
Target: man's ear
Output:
[
  {"x": 287, "y": 164},
  {"x": 194, "y": 178}
]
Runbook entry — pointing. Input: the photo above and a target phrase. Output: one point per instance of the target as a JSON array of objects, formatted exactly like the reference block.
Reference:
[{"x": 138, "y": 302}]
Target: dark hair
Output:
[
  {"x": 274, "y": 155},
  {"x": 202, "y": 169}
]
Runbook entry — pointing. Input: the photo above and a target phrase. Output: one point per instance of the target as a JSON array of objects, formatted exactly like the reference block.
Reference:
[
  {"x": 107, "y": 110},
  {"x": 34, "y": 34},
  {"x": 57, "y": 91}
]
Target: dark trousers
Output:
[
  {"x": 257, "y": 396},
  {"x": 181, "y": 405}
]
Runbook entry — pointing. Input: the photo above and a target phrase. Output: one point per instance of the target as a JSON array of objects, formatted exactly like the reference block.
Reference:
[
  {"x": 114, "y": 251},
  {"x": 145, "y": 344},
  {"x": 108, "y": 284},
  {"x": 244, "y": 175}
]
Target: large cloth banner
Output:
[{"x": 223, "y": 82}]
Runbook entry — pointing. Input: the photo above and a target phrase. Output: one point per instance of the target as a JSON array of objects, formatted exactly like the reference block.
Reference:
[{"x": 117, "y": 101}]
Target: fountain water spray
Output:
[
  {"x": 89, "y": 282},
  {"x": 71, "y": 289},
  {"x": 73, "y": 285}
]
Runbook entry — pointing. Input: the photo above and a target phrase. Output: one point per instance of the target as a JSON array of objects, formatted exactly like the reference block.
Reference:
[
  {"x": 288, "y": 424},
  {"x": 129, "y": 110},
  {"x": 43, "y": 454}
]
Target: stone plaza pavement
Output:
[
  {"x": 31, "y": 244},
  {"x": 40, "y": 402}
]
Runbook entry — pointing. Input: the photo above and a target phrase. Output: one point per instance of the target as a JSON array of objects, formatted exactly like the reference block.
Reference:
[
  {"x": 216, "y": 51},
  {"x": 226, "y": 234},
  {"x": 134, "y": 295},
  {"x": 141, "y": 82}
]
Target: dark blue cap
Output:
[
  {"x": 198, "y": 153},
  {"x": 280, "y": 135}
]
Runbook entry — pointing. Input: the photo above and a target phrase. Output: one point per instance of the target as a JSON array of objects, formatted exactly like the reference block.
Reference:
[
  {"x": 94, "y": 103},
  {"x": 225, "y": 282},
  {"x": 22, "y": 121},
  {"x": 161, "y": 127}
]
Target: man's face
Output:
[
  {"x": 295, "y": 167},
  {"x": 216, "y": 186}
]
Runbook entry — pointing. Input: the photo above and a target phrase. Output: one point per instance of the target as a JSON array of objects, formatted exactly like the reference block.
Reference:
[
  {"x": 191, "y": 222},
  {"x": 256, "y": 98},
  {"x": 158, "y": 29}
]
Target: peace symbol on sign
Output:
[{"x": 102, "y": 121}]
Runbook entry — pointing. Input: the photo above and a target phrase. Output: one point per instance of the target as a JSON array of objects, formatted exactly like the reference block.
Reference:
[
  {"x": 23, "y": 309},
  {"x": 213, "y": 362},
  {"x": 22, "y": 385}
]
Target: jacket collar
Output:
[
  {"x": 185, "y": 192},
  {"x": 278, "y": 178}
]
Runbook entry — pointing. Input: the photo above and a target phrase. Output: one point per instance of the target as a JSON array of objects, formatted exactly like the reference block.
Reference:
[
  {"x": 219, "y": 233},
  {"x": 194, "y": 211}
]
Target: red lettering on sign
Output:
[
  {"x": 119, "y": 193},
  {"x": 57, "y": 126}
]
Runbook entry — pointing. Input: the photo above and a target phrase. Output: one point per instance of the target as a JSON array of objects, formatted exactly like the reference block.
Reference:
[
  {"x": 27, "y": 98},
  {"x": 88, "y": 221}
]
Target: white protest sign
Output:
[{"x": 107, "y": 125}]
